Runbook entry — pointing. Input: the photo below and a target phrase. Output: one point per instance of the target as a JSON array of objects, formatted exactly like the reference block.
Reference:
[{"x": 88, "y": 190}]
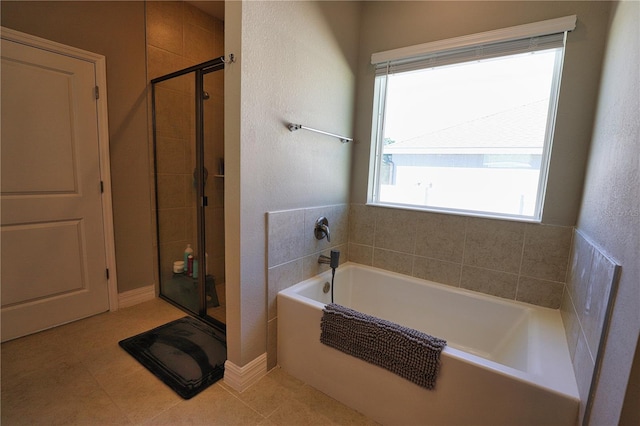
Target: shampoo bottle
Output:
[
  {"x": 190, "y": 266},
  {"x": 188, "y": 251}
]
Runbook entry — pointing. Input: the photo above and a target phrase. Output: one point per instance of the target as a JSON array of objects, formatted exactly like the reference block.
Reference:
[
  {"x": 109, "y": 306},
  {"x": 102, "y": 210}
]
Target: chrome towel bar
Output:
[{"x": 294, "y": 127}]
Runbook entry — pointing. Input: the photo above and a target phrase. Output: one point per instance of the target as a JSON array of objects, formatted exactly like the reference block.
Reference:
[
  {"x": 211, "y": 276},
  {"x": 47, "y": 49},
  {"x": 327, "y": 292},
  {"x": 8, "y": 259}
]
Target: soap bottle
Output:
[{"x": 188, "y": 251}]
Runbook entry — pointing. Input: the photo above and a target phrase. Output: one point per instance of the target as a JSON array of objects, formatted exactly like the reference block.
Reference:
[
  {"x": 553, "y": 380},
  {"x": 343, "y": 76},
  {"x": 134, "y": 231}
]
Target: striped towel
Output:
[{"x": 408, "y": 353}]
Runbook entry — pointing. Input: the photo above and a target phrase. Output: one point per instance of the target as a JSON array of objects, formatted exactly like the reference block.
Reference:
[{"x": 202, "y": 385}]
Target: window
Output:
[{"x": 466, "y": 125}]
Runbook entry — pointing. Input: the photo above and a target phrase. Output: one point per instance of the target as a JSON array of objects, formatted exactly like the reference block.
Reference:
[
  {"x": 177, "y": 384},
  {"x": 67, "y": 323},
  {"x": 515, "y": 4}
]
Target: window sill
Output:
[{"x": 464, "y": 213}]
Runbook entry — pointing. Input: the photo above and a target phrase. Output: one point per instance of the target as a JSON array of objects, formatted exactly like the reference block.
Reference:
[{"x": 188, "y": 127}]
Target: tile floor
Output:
[{"x": 77, "y": 374}]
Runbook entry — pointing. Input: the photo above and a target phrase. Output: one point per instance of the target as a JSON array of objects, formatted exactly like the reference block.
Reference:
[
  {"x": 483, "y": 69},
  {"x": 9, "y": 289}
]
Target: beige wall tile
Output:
[
  {"x": 583, "y": 366},
  {"x": 171, "y": 192},
  {"x": 164, "y": 25},
  {"x": 571, "y": 324},
  {"x": 540, "y": 292},
  {"x": 496, "y": 283},
  {"x": 173, "y": 114},
  {"x": 580, "y": 268},
  {"x": 171, "y": 155},
  {"x": 494, "y": 244},
  {"x": 393, "y": 261},
  {"x": 600, "y": 286},
  {"x": 445, "y": 242},
  {"x": 546, "y": 252},
  {"x": 440, "y": 236},
  {"x": 362, "y": 224},
  {"x": 198, "y": 44},
  {"x": 195, "y": 16},
  {"x": 361, "y": 254},
  {"x": 396, "y": 230},
  {"x": 437, "y": 270},
  {"x": 173, "y": 224},
  {"x": 161, "y": 62},
  {"x": 279, "y": 278},
  {"x": 285, "y": 236}
]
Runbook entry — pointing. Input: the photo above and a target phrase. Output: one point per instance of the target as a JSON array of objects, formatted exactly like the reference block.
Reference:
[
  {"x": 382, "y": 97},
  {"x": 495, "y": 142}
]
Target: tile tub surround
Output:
[
  {"x": 519, "y": 261},
  {"x": 514, "y": 260},
  {"x": 591, "y": 287},
  {"x": 292, "y": 254}
]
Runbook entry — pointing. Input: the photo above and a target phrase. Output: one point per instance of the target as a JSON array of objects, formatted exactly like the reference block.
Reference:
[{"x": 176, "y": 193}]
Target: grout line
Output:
[
  {"x": 464, "y": 250},
  {"x": 524, "y": 242},
  {"x": 238, "y": 396}
]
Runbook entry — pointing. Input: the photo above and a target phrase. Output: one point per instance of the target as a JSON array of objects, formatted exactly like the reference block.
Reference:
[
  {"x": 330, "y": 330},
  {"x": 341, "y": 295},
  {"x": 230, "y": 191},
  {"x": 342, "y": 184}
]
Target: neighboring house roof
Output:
[{"x": 519, "y": 130}]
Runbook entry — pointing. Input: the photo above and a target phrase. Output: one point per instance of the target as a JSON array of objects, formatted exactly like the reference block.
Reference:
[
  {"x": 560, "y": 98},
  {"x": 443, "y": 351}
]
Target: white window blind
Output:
[{"x": 520, "y": 39}]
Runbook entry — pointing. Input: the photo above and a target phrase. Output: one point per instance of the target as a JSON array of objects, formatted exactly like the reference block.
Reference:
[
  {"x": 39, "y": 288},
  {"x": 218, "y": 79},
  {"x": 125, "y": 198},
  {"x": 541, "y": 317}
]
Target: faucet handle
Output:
[{"x": 321, "y": 229}]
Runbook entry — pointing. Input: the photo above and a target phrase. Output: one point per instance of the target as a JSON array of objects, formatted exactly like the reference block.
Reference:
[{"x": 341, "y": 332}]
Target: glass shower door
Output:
[
  {"x": 176, "y": 189},
  {"x": 188, "y": 115}
]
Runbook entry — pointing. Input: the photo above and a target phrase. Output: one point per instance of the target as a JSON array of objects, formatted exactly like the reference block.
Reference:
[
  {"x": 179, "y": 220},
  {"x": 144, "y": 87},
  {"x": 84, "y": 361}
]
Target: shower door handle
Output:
[{"x": 205, "y": 177}]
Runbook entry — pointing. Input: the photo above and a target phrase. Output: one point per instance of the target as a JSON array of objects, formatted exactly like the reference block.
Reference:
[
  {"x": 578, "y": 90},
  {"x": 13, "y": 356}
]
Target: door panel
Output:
[
  {"x": 37, "y": 240},
  {"x": 53, "y": 247},
  {"x": 47, "y": 144}
]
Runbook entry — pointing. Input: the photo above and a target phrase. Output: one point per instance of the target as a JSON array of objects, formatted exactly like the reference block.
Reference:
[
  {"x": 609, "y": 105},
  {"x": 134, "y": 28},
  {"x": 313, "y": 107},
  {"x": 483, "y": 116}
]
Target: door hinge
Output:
[
  {"x": 107, "y": 273},
  {"x": 96, "y": 92}
]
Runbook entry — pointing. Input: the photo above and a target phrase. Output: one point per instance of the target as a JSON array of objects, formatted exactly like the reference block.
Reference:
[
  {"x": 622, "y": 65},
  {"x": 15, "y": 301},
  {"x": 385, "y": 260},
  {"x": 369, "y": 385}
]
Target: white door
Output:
[{"x": 53, "y": 258}]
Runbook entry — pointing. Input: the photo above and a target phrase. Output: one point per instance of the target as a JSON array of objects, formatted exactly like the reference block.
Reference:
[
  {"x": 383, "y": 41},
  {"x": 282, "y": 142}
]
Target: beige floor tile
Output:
[
  {"x": 334, "y": 410},
  {"x": 141, "y": 395},
  {"x": 77, "y": 374},
  {"x": 293, "y": 412},
  {"x": 271, "y": 392},
  {"x": 63, "y": 393},
  {"x": 213, "y": 406}
]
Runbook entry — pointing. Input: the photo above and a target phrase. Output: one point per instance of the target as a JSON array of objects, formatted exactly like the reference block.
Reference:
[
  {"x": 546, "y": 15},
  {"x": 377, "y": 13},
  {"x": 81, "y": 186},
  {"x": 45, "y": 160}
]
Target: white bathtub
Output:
[{"x": 506, "y": 363}]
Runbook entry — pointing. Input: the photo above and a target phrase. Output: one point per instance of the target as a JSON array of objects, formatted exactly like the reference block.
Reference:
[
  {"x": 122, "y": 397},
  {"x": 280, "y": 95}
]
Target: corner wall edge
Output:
[{"x": 241, "y": 378}]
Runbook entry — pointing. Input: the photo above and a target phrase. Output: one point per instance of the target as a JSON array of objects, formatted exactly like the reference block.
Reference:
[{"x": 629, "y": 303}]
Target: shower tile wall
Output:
[
  {"x": 293, "y": 252},
  {"x": 514, "y": 260},
  {"x": 590, "y": 286},
  {"x": 178, "y": 36}
]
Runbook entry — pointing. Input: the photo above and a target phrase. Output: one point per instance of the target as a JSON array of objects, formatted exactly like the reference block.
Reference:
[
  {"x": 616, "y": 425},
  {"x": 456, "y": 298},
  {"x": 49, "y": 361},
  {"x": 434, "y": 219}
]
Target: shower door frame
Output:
[{"x": 199, "y": 71}]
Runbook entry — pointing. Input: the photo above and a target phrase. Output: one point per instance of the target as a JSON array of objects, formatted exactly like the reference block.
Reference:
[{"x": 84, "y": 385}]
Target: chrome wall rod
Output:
[{"x": 294, "y": 127}]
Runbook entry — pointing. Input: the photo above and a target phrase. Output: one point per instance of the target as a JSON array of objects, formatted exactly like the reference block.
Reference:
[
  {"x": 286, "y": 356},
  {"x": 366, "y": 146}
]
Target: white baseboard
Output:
[
  {"x": 241, "y": 378},
  {"x": 139, "y": 295}
]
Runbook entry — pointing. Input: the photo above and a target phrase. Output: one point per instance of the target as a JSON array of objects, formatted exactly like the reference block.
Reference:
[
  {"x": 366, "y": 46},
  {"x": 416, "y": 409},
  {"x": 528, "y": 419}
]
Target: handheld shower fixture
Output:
[{"x": 333, "y": 261}]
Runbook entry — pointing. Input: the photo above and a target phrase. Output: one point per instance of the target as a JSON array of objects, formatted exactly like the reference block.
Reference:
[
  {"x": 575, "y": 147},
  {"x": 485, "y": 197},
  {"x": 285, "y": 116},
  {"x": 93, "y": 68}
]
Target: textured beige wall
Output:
[
  {"x": 115, "y": 30},
  {"x": 390, "y": 25},
  {"x": 610, "y": 211},
  {"x": 297, "y": 64}
]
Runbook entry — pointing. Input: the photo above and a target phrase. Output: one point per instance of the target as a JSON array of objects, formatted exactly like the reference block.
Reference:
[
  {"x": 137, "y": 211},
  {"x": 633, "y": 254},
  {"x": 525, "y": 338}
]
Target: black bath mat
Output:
[{"x": 186, "y": 354}]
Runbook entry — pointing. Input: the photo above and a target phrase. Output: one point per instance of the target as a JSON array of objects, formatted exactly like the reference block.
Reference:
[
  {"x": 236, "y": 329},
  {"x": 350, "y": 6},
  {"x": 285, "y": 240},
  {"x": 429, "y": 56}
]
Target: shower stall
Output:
[{"x": 188, "y": 134}]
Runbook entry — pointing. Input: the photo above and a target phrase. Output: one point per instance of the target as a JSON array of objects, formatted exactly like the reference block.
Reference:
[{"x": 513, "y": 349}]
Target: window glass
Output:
[{"x": 472, "y": 137}]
